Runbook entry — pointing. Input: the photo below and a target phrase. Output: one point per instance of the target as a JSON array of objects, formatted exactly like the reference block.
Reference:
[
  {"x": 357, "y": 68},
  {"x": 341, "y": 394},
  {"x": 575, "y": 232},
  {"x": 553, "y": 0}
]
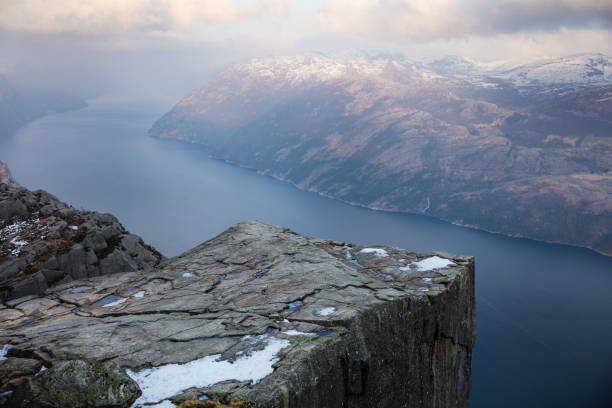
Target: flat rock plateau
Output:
[{"x": 258, "y": 316}]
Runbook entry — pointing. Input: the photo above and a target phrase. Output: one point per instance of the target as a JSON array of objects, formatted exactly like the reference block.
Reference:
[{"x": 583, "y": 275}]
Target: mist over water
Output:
[{"x": 543, "y": 310}]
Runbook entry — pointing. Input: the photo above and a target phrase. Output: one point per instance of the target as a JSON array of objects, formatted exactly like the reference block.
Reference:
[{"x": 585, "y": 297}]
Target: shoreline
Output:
[{"x": 354, "y": 204}]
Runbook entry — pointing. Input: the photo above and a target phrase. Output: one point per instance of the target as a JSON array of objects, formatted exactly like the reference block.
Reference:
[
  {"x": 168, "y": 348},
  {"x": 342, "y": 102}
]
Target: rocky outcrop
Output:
[
  {"x": 77, "y": 384},
  {"x": 509, "y": 154},
  {"x": 44, "y": 241},
  {"x": 260, "y": 316},
  {"x": 5, "y": 175}
]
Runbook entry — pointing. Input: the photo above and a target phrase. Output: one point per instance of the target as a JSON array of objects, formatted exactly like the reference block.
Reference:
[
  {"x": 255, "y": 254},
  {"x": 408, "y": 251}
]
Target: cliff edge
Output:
[
  {"x": 44, "y": 242},
  {"x": 258, "y": 316}
]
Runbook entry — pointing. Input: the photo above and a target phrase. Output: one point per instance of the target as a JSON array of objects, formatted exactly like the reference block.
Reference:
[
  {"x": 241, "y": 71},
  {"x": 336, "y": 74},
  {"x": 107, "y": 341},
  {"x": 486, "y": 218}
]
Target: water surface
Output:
[{"x": 543, "y": 310}]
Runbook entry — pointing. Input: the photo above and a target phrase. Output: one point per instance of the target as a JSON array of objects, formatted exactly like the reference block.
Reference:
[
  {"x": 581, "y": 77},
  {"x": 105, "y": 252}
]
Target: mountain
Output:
[
  {"x": 453, "y": 65},
  {"x": 5, "y": 175},
  {"x": 585, "y": 69},
  {"x": 19, "y": 105},
  {"x": 530, "y": 159}
]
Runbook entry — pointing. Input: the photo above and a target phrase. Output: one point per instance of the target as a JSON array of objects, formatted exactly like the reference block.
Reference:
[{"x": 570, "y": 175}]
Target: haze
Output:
[{"x": 157, "y": 50}]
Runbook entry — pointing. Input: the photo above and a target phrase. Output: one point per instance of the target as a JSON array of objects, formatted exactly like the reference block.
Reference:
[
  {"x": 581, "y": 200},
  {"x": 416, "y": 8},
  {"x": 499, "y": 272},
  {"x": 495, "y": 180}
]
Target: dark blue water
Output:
[{"x": 544, "y": 311}]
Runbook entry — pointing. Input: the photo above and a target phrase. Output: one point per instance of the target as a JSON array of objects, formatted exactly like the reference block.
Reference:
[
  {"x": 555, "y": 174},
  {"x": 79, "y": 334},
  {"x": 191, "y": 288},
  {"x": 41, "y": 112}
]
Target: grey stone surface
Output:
[
  {"x": 44, "y": 241},
  {"x": 357, "y": 329},
  {"x": 77, "y": 384}
]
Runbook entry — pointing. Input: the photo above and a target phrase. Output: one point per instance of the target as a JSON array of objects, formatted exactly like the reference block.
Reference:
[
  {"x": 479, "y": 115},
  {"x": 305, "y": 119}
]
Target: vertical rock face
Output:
[
  {"x": 43, "y": 242},
  {"x": 5, "y": 175},
  {"x": 262, "y": 317}
]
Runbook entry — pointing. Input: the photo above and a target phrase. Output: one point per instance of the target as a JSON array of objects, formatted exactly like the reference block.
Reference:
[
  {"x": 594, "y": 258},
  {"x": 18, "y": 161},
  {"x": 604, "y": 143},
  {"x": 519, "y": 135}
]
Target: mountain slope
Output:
[{"x": 395, "y": 136}]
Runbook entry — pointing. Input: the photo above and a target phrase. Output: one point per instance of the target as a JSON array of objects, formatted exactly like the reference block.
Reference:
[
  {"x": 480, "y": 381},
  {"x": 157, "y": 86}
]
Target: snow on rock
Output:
[
  {"x": 378, "y": 252},
  {"x": 431, "y": 263},
  {"x": 326, "y": 311},
  {"x": 13, "y": 228},
  {"x": 160, "y": 383},
  {"x": 186, "y": 274},
  {"x": 4, "y": 350},
  {"x": 114, "y": 302},
  {"x": 139, "y": 294},
  {"x": 581, "y": 68},
  {"x": 297, "y": 333}
]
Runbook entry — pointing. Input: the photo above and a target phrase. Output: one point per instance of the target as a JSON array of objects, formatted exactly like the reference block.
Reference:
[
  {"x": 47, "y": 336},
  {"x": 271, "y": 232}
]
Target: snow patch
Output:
[
  {"x": 431, "y": 263},
  {"x": 73, "y": 227},
  {"x": 186, "y": 274},
  {"x": 159, "y": 383},
  {"x": 326, "y": 311},
  {"x": 293, "y": 306},
  {"x": 18, "y": 245},
  {"x": 4, "y": 350},
  {"x": 297, "y": 333},
  {"x": 378, "y": 252},
  {"x": 115, "y": 302},
  {"x": 139, "y": 294}
]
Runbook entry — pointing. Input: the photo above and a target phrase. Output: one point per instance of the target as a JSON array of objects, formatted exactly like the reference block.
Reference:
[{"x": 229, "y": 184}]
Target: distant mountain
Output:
[
  {"x": 18, "y": 105},
  {"x": 504, "y": 151},
  {"x": 453, "y": 65},
  {"x": 5, "y": 175},
  {"x": 585, "y": 69}
]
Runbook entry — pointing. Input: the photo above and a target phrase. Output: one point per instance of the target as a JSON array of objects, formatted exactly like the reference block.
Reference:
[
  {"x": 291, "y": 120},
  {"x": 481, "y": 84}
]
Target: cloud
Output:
[
  {"x": 122, "y": 16},
  {"x": 410, "y": 20}
]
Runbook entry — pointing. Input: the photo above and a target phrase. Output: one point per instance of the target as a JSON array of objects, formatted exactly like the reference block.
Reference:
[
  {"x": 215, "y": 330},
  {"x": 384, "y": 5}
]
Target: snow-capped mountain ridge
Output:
[
  {"x": 581, "y": 69},
  {"x": 297, "y": 70}
]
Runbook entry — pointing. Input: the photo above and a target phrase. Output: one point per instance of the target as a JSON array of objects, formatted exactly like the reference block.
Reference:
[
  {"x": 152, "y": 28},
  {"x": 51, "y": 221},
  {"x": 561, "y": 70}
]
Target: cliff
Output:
[
  {"x": 5, "y": 175},
  {"x": 258, "y": 316},
  {"x": 44, "y": 241},
  {"x": 523, "y": 152}
]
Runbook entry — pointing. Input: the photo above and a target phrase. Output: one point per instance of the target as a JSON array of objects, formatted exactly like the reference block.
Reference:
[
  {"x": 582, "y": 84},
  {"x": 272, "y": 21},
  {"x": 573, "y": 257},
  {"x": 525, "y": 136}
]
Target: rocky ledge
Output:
[
  {"x": 258, "y": 316},
  {"x": 44, "y": 241}
]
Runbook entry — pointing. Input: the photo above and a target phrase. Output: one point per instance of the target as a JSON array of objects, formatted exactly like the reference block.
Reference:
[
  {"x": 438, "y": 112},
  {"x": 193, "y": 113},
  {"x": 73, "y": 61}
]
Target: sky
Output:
[{"x": 160, "y": 49}]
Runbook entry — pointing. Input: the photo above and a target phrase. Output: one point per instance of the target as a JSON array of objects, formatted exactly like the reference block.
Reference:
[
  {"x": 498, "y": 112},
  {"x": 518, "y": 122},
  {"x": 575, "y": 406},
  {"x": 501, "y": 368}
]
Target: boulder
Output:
[{"x": 77, "y": 384}]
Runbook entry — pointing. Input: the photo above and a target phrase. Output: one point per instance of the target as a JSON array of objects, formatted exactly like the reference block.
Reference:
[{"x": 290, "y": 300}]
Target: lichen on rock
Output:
[{"x": 77, "y": 384}]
